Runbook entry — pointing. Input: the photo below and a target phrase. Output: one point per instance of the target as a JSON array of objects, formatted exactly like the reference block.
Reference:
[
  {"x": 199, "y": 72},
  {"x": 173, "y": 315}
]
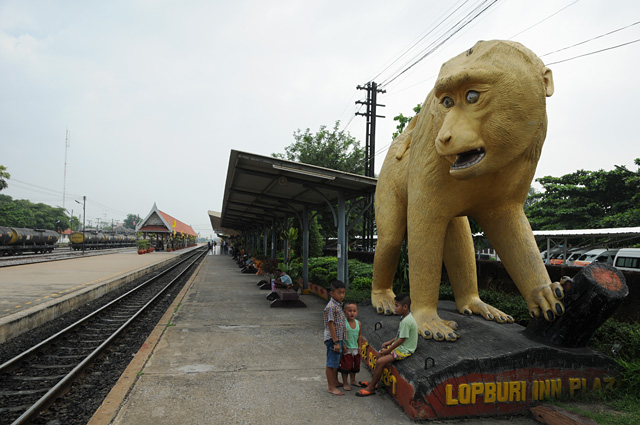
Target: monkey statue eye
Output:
[
  {"x": 447, "y": 102},
  {"x": 472, "y": 96}
]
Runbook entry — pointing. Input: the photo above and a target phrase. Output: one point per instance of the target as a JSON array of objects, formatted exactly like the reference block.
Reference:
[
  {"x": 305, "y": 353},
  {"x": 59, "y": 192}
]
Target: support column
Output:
[
  {"x": 273, "y": 238},
  {"x": 305, "y": 249},
  {"x": 285, "y": 241},
  {"x": 343, "y": 272},
  {"x": 264, "y": 240}
]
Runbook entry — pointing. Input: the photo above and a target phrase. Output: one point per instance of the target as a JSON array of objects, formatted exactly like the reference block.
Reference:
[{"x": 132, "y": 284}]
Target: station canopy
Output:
[
  {"x": 160, "y": 222},
  {"x": 262, "y": 188}
]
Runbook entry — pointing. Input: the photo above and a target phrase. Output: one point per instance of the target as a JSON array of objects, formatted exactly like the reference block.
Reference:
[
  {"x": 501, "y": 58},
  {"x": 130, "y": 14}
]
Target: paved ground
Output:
[{"x": 230, "y": 359}]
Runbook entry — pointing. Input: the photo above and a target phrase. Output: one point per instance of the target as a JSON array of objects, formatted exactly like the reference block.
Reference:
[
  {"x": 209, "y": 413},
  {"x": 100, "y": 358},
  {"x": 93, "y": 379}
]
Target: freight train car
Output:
[
  {"x": 101, "y": 240},
  {"x": 17, "y": 240}
]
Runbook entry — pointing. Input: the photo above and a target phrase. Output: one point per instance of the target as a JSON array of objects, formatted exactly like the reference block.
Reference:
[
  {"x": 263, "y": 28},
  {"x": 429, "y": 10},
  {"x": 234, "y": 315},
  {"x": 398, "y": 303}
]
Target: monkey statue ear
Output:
[{"x": 547, "y": 77}]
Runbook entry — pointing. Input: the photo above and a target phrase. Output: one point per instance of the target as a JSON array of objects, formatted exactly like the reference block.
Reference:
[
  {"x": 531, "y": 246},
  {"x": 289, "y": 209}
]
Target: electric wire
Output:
[
  {"x": 538, "y": 23},
  {"x": 593, "y": 53},
  {"x": 421, "y": 38},
  {"x": 591, "y": 39},
  {"x": 460, "y": 25}
]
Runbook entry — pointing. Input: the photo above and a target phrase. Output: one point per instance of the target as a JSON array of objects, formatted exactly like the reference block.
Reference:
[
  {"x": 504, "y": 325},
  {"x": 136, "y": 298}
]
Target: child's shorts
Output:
[
  {"x": 399, "y": 355},
  {"x": 349, "y": 363},
  {"x": 333, "y": 358}
]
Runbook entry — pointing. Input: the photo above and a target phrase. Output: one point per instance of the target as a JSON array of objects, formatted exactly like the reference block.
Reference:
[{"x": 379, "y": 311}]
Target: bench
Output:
[{"x": 285, "y": 298}]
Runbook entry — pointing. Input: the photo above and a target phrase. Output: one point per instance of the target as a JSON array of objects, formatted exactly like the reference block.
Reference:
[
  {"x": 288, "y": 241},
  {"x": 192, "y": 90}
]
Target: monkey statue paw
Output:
[
  {"x": 383, "y": 301},
  {"x": 546, "y": 300},
  {"x": 431, "y": 326},
  {"x": 477, "y": 306}
]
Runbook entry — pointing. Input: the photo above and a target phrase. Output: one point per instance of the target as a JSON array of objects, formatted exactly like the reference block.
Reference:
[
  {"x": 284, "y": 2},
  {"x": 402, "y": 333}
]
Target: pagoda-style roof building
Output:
[{"x": 164, "y": 225}]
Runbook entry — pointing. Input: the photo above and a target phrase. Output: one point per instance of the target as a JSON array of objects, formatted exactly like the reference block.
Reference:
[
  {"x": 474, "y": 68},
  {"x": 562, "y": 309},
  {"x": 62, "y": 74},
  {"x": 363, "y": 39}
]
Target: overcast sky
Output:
[{"x": 155, "y": 94}]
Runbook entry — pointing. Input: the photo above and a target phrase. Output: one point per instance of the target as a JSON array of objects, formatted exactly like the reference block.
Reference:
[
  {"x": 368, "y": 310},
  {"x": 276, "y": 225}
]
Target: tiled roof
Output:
[
  {"x": 180, "y": 226},
  {"x": 167, "y": 224}
]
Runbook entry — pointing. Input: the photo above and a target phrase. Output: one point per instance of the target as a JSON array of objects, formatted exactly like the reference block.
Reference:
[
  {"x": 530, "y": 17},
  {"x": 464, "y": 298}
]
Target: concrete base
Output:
[{"x": 492, "y": 369}]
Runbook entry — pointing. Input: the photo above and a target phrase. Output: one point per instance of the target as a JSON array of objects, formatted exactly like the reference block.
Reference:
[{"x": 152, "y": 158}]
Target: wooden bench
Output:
[{"x": 286, "y": 298}]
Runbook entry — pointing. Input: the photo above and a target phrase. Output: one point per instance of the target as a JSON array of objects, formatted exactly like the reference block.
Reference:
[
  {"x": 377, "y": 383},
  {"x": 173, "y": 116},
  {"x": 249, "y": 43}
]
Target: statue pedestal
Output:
[{"x": 492, "y": 369}]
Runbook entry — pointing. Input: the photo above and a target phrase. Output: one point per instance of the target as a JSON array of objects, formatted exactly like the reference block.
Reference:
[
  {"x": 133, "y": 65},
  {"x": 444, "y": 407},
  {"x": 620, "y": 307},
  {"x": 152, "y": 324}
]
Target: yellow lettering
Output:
[
  {"x": 393, "y": 384},
  {"x": 514, "y": 391},
  {"x": 597, "y": 385},
  {"x": 523, "y": 390},
  {"x": 385, "y": 376},
  {"x": 490, "y": 392},
  {"x": 363, "y": 353},
  {"x": 477, "y": 388},
  {"x": 556, "y": 388},
  {"x": 610, "y": 382},
  {"x": 574, "y": 384},
  {"x": 534, "y": 390},
  {"x": 503, "y": 391},
  {"x": 449, "y": 399},
  {"x": 464, "y": 394}
]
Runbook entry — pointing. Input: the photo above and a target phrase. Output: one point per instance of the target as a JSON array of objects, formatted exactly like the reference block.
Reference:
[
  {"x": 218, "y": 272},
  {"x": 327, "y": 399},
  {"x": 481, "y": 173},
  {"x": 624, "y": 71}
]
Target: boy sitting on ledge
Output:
[{"x": 401, "y": 347}]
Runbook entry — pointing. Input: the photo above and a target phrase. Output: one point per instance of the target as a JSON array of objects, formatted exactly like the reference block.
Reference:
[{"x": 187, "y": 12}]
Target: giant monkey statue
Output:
[{"x": 471, "y": 151}]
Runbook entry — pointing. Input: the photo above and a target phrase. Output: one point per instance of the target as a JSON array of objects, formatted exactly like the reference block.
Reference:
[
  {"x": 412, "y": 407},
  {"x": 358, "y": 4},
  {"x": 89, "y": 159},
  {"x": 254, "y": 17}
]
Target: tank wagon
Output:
[
  {"x": 100, "y": 240},
  {"x": 17, "y": 240}
]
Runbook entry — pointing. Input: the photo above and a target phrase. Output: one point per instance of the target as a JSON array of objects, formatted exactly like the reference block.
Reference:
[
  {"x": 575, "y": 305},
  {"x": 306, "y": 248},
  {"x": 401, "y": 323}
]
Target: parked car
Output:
[
  {"x": 607, "y": 257},
  {"x": 575, "y": 254},
  {"x": 586, "y": 258},
  {"x": 628, "y": 259}
]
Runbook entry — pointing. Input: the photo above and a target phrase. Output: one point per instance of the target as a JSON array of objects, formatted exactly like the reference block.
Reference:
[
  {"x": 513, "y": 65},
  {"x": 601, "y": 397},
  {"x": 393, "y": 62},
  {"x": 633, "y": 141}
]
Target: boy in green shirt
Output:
[{"x": 401, "y": 347}]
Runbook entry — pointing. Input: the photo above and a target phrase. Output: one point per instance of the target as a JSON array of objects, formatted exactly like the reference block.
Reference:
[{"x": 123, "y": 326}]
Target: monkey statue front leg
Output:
[{"x": 510, "y": 234}]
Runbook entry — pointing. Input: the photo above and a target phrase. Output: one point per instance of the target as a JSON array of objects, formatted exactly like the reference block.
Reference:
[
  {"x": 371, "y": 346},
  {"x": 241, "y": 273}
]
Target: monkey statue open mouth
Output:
[{"x": 472, "y": 150}]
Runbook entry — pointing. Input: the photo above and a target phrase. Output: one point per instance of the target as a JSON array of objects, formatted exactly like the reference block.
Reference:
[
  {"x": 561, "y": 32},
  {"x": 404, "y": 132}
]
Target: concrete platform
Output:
[
  {"x": 33, "y": 294},
  {"x": 221, "y": 355}
]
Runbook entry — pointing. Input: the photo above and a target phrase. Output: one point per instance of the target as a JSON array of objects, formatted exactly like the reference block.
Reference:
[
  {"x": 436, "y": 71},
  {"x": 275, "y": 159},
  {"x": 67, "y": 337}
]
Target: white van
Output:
[
  {"x": 628, "y": 259},
  {"x": 586, "y": 258}
]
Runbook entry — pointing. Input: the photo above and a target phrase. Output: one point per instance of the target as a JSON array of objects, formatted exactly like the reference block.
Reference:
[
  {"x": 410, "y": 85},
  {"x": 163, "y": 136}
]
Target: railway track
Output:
[
  {"x": 57, "y": 255},
  {"x": 33, "y": 380}
]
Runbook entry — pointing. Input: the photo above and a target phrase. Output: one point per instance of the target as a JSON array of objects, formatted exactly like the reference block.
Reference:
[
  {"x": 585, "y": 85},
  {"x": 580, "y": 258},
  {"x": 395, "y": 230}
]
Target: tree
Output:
[
  {"x": 22, "y": 213},
  {"x": 4, "y": 176},
  {"x": 587, "y": 199},
  {"x": 132, "y": 221},
  {"x": 403, "y": 121},
  {"x": 334, "y": 149}
]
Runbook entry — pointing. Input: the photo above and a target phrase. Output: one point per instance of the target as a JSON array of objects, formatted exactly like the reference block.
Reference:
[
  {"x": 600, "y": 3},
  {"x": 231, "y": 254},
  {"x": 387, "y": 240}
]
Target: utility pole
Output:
[
  {"x": 64, "y": 182},
  {"x": 370, "y": 152}
]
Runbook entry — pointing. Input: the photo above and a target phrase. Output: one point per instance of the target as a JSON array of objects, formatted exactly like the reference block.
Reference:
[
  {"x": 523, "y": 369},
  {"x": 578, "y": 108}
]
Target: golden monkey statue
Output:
[{"x": 471, "y": 151}]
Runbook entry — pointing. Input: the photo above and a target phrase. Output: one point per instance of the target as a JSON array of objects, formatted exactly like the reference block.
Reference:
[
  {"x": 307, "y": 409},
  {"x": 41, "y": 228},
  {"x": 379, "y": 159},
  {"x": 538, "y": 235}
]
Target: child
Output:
[
  {"x": 334, "y": 333},
  {"x": 401, "y": 347},
  {"x": 350, "y": 360}
]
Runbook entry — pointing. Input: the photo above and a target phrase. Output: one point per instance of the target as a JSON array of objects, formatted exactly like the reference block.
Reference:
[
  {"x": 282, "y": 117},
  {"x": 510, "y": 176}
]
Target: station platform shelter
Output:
[{"x": 166, "y": 232}]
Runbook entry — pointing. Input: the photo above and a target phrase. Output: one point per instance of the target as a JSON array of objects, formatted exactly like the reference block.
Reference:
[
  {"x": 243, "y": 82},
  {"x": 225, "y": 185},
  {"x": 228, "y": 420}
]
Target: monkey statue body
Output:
[{"x": 472, "y": 150}]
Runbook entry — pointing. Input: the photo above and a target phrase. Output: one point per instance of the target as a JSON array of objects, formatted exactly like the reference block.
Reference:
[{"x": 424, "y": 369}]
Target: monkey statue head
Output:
[{"x": 489, "y": 108}]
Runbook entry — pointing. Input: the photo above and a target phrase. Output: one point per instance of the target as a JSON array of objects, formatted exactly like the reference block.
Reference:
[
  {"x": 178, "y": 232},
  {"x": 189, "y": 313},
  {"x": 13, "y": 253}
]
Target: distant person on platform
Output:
[
  {"x": 215, "y": 244},
  {"x": 210, "y": 247},
  {"x": 283, "y": 280}
]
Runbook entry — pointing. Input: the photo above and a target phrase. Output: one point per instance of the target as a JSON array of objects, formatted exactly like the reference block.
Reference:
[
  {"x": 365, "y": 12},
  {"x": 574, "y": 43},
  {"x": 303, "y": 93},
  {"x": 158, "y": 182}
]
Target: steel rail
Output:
[{"x": 47, "y": 399}]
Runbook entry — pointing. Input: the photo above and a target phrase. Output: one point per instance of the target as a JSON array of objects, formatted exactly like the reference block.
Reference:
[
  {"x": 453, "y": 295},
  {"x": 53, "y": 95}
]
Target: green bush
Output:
[
  {"x": 361, "y": 283},
  {"x": 357, "y": 295},
  {"x": 318, "y": 275},
  {"x": 359, "y": 269}
]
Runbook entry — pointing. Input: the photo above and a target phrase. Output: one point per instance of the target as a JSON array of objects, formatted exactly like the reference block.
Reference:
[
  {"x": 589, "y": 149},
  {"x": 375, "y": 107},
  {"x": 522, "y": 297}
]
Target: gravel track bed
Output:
[{"x": 86, "y": 394}]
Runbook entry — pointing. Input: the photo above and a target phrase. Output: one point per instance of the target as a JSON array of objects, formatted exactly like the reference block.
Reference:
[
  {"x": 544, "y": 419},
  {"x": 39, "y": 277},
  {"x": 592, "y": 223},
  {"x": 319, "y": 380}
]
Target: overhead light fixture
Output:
[{"x": 305, "y": 172}]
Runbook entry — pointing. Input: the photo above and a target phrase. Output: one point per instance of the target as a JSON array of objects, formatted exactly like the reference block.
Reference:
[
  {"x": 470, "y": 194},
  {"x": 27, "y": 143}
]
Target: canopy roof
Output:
[{"x": 261, "y": 188}]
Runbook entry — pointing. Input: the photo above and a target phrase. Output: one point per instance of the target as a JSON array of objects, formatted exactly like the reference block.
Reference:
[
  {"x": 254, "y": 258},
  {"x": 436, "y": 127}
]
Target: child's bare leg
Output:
[
  {"x": 332, "y": 379},
  {"x": 377, "y": 373},
  {"x": 345, "y": 382},
  {"x": 352, "y": 377}
]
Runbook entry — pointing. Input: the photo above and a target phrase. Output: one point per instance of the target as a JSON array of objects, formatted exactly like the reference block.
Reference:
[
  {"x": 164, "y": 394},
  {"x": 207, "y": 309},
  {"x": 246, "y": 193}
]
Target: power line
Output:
[
  {"x": 420, "y": 38},
  {"x": 538, "y": 23},
  {"x": 448, "y": 36},
  {"x": 591, "y": 39},
  {"x": 593, "y": 53}
]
